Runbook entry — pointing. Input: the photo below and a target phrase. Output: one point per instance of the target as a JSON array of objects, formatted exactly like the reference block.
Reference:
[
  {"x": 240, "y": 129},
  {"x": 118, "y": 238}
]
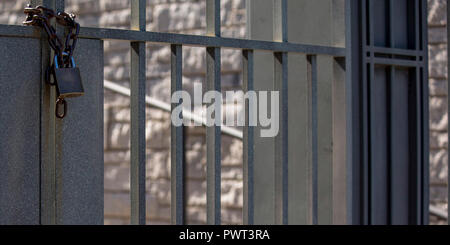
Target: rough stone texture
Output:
[
  {"x": 188, "y": 16},
  {"x": 437, "y": 36}
]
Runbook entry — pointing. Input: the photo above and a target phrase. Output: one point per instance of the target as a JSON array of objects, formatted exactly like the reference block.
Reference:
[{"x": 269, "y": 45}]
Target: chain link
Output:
[{"x": 41, "y": 16}]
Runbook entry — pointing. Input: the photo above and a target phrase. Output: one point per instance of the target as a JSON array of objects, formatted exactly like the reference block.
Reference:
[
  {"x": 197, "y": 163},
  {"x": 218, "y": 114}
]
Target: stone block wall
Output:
[
  {"x": 188, "y": 16},
  {"x": 437, "y": 39},
  {"x": 177, "y": 16}
]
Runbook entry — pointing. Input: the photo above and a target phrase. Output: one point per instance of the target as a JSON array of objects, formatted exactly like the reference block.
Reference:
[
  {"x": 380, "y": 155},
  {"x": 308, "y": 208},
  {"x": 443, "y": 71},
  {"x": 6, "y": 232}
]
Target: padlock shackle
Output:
[{"x": 64, "y": 54}]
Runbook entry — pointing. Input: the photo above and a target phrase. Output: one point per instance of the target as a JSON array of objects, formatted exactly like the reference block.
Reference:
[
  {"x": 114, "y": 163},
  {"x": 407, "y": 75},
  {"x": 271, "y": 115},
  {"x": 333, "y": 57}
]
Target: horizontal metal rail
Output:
[
  {"x": 186, "y": 40},
  {"x": 395, "y": 62},
  {"x": 395, "y": 51},
  {"x": 166, "y": 107}
]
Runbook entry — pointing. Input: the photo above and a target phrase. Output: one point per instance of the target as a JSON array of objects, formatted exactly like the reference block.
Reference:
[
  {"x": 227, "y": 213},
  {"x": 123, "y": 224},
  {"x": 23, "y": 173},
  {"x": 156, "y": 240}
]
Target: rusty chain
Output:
[{"x": 41, "y": 16}]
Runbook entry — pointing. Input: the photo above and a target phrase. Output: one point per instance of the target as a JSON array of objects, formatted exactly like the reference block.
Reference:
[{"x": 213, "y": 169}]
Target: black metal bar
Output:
[
  {"x": 395, "y": 51},
  {"x": 391, "y": 25},
  {"x": 186, "y": 40},
  {"x": 213, "y": 141},
  {"x": 137, "y": 177},
  {"x": 391, "y": 164},
  {"x": 416, "y": 150},
  {"x": 351, "y": 38},
  {"x": 177, "y": 137},
  {"x": 425, "y": 115},
  {"x": 248, "y": 141},
  {"x": 417, "y": 26},
  {"x": 371, "y": 131},
  {"x": 417, "y": 118},
  {"x": 364, "y": 202},
  {"x": 281, "y": 154},
  {"x": 312, "y": 78},
  {"x": 371, "y": 22},
  {"x": 369, "y": 86},
  {"x": 213, "y": 132},
  {"x": 395, "y": 62},
  {"x": 137, "y": 138}
]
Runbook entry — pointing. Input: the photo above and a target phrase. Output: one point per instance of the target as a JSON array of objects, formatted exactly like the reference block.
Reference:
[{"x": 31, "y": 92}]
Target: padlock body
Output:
[{"x": 68, "y": 82}]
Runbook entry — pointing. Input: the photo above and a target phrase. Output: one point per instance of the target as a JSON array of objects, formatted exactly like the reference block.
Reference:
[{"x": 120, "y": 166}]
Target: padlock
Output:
[{"x": 67, "y": 80}]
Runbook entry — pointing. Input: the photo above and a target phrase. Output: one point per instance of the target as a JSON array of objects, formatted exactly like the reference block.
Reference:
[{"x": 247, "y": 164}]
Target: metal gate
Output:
[
  {"x": 390, "y": 113},
  {"x": 343, "y": 113}
]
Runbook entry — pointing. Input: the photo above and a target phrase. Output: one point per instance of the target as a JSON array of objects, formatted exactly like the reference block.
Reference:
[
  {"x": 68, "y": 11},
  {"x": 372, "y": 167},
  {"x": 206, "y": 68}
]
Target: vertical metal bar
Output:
[
  {"x": 418, "y": 121},
  {"x": 391, "y": 141},
  {"x": 365, "y": 135},
  {"x": 390, "y": 164},
  {"x": 425, "y": 115},
  {"x": 283, "y": 136},
  {"x": 371, "y": 10},
  {"x": 371, "y": 23},
  {"x": 177, "y": 146},
  {"x": 281, "y": 85},
  {"x": 137, "y": 85},
  {"x": 213, "y": 18},
  {"x": 312, "y": 79},
  {"x": 417, "y": 145},
  {"x": 248, "y": 141},
  {"x": 47, "y": 158},
  {"x": 213, "y": 134},
  {"x": 281, "y": 154},
  {"x": 417, "y": 25},
  {"x": 349, "y": 30},
  {"x": 213, "y": 141},
  {"x": 391, "y": 24},
  {"x": 372, "y": 180}
]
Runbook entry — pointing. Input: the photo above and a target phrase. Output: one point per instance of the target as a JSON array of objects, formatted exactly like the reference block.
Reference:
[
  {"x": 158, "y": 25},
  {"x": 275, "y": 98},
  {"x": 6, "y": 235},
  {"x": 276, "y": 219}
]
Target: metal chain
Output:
[{"x": 41, "y": 16}]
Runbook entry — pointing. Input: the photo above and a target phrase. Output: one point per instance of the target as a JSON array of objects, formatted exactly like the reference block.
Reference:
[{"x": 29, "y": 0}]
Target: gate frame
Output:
[
  {"x": 281, "y": 50},
  {"x": 358, "y": 138}
]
